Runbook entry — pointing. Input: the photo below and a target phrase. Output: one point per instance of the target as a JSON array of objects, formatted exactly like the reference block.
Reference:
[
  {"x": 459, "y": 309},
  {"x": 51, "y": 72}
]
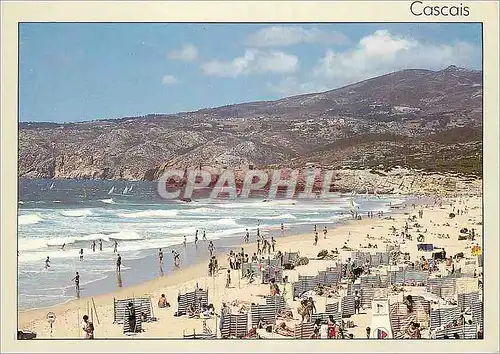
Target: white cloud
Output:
[
  {"x": 187, "y": 52},
  {"x": 168, "y": 80},
  {"x": 377, "y": 54},
  {"x": 254, "y": 61},
  {"x": 277, "y": 36},
  {"x": 383, "y": 52}
]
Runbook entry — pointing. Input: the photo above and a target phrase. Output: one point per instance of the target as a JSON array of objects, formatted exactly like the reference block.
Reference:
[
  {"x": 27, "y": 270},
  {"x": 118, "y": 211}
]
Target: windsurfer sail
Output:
[{"x": 111, "y": 190}]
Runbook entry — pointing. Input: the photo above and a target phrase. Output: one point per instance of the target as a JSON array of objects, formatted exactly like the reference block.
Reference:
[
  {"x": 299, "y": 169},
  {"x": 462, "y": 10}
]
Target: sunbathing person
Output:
[{"x": 162, "y": 302}]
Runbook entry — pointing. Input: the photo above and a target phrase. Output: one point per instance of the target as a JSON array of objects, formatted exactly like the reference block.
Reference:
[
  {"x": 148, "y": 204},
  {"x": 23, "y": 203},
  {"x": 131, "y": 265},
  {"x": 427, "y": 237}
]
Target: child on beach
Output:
[
  {"x": 228, "y": 278},
  {"x": 325, "y": 231}
]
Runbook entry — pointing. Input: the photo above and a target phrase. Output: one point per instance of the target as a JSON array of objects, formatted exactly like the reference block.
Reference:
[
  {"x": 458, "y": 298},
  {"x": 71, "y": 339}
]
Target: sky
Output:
[{"x": 70, "y": 72}]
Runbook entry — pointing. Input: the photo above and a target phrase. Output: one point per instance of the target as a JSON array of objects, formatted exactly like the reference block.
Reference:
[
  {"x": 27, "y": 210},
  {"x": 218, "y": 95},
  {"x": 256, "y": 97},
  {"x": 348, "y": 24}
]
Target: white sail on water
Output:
[
  {"x": 51, "y": 186},
  {"x": 125, "y": 190},
  {"x": 130, "y": 189},
  {"x": 111, "y": 190}
]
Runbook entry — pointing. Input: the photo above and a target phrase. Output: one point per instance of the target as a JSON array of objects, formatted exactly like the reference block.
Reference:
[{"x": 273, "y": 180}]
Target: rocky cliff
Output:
[{"x": 420, "y": 119}]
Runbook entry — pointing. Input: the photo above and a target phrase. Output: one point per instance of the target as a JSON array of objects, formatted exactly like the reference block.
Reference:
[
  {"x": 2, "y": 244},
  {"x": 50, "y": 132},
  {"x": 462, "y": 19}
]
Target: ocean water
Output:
[{"x": 75, "y": 213}]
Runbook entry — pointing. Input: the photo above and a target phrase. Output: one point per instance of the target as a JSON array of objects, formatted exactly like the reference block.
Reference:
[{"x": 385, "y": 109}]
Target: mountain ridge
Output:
[{"x": 387, "y": 121}]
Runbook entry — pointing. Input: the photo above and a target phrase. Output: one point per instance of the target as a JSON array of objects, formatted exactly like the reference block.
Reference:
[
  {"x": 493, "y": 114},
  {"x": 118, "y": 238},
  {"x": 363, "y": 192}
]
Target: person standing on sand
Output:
[
  {"x": 160, "y": 256},
  {"x": 47, "y": 263},
  {"x": 93, "y": 246},
  {"x": 315, "y": 228},
  {"x": 81, "y": 254},
  {"x": 196, "y": 235},
  {"x": 115, "y": 249},
  {"x": 119, "y": 263},
  {"x": 76, "y": 279},
  {"x": 273, "y": 243},
  {"x": 196, "y": 238},
  {"x": 211, "y": 248},
  {"x": 282, "y": 227},
  {"x": 204, "y": 236},
  {"x": 177, "y": 259},
  {"x": 185, "y": 241},
  {"x": 258, "y": 232},
  {"x": 100, "y": 244},
  {"x": 258, "y": 247},
  {"x": 315, "y": 238},
  {"x": 88, "y": 327},
  {"x": 228, "y": 278},
  {"x": 325, "y": 231}
]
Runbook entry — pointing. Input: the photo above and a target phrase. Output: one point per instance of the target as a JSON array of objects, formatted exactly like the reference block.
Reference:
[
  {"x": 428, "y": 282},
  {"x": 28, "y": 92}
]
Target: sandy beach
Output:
[{"x": 356, "y": 234}]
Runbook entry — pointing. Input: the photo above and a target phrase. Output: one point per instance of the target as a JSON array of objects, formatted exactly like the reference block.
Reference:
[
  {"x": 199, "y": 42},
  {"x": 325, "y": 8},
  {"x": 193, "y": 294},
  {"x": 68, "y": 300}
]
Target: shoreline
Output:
[
  {"x": 198, "y": 270},
  {"x": 203, "y": 262},
  {"x": 144, "y": 267},
  {"x": 356, "y": 233}
]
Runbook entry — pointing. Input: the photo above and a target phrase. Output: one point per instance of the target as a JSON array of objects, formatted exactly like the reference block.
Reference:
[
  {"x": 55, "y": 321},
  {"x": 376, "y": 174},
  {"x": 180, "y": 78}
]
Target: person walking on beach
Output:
[
  {"x": 228, "y": 278},
  {"x": 93, "y": 246},
  {"x": 160, "y": 256},
  {"x": 62, "y": 248},
  {"x": 325, "y": 231},
  {"x": 258, "y": 247},
  {"x": 211, "y": 248},
  {"x": 76, "y": 279},
  {"x": 88, "y": 327},
  {"x": 176, "y": 257},
  {"x": 47, "y": 263},
  {"x": 357, "y": 302},
  {"x": 81, "y": 254},
  {"x": 196, "y": 238},
  {"x": 100, "y": 244},
  {"x": 316, "y": 238},
  {"x": 247, "y": 236},
  {"x": 115, "y": 249},
  {"x": 282, "y": 228},
  {"x": 204, "y": 236},
  {"x": 119, "y": 263},
  {"x": 315, "y": 228},
  {"x": 185, "y": 241},
  {"x": 273, "y": 243}
]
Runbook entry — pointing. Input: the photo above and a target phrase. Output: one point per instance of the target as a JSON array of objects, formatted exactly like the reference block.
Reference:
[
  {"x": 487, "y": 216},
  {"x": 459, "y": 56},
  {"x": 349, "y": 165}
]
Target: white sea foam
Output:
[
  {"x": 108, "y": 201},
  {"x": 150, "y": 214},
  {"x": 279, "y": 217},
  {"x": 77, "y": 213},
  {"x": 125, "y": 235},
  {"x": 29, "y": 219}
]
